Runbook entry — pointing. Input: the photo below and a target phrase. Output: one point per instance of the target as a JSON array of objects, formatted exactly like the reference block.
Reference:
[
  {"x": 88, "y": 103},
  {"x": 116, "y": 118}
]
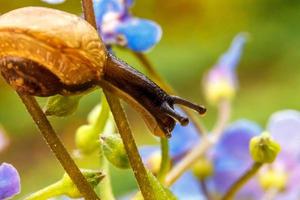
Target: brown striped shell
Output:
[{"x": 64, "y": 44}]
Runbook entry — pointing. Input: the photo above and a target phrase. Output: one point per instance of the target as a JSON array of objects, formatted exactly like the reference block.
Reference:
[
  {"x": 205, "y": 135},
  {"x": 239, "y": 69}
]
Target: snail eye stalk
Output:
[
  {"x": 168, "y": 107},
  {"x": 200, "y": 109},
  {"x": 172, "y": 113}
]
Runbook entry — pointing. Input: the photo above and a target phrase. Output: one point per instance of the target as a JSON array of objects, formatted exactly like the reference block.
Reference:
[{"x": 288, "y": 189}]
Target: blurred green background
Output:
[{"x": 196, "y": 32}]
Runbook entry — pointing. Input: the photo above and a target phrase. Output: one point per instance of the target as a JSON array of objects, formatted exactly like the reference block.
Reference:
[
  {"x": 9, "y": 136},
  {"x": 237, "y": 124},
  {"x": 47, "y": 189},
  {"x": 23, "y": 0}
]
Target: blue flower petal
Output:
[
  {"x": 231, "y": 155},
  {"x": 235, "y": 140},
  {"x": 187, "y": 188},
  {"x": 284, "y": 126},
  {"x": 231, "y": 58},
  {"x": 140, "y": 34},
  {"x": 9, "y": 181},
  {"x": 128, "y": 3},
  {"x": 182, "y": 140},
  {"x": 102, "y": 7}
]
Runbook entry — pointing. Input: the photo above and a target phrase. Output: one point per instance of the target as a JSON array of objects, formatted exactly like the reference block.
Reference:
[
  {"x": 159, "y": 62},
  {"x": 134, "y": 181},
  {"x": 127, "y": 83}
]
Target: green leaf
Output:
[{"x": 61, "y": 106}]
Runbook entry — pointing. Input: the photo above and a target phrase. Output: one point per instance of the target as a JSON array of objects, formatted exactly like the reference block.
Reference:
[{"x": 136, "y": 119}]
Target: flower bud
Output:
[
  {"x": 203, "y": 168},
  {"x": 94, "y": 114},
  {"x": 263, "y": 148},
  {"x": 61, "y": 106},
  {"x": 221, "y": 89},
  {"x": 65, "y": 186},
  {"x": 273, "y": 179},
  {"x": 221, "y": 82},
  {"x": 86, "y": 139},
  {"x": 154, "y": 162},
  {"x": 69, "y": 188},
  {"x": 114, "y": 151}
]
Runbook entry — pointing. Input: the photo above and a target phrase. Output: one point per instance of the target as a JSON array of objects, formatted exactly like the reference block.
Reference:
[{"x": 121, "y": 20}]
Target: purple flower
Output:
[
  {"x": 284, "y": 126},
  {"x": 118, "y": 26},
  {"x": 9, "y": 181},
  {"x": 221, "y": 82},
  {"x": 230, "y": 157}
]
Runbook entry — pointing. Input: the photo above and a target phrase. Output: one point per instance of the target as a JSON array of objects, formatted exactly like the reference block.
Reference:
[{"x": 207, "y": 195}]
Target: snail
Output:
[{"x": 44, "y": 52}]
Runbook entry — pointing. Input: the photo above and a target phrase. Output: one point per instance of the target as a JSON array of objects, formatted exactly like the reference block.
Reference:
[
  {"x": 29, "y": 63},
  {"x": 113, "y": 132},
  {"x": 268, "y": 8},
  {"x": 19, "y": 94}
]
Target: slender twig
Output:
[
  {"x": 203, "y": 146},
  {"x": 123, "y": 125},
  {"x": 165, "y": 159},
  {"x": 57, "y": 147},
  {"x": 229, "y": 195},
  {"x": 204, "y": 189},
  {"x": 162, "y": 83},
  {"x": 130, "y": 146},
  {"x": 105, "y": 187},
  {"x": 48, "y": 192}
]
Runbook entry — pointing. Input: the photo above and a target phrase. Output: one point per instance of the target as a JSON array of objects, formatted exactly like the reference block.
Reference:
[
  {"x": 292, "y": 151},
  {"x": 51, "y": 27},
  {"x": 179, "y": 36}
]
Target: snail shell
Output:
[
  {"x": 44, "y": 52},
  {"x": 63, "y": 44}
]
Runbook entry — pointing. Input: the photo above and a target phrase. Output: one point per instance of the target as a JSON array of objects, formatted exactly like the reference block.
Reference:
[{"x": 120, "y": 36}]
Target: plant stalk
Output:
[
  {"x": 165, "y": 163},
  {"x": 57, "y": 147},
  {"x": 122, "y": 124},
  {"x": 130, "y": 146},
  {"x": 229, "y": 195},
  {"x": 47, "y": 193}
]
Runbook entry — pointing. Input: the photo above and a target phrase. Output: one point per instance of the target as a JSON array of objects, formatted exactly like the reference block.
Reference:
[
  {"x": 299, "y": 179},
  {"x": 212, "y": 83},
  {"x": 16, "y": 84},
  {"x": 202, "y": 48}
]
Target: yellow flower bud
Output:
[
  {"x": 203, "y": 168},
  {"x": 154, "y": 162},
  {"x": 218, "y": 90},
  {"x": 263, "y": 148},
  {"x": 86, "y": 139},
  {"x": 273, "y": 179}
]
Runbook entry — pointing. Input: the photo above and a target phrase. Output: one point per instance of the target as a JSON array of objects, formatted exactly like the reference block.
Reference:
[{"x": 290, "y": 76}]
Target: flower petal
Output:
[
  {"x": 103, "y": 7},
  {"x": 231, "y": 58},
  {"x": 231, "y": 155},
  {"x": 235, "y": 140},
  {"x": 182, "y": 140},
  {"x": 187, "y": 188},
  {"x": 284, "y": 126},
  {"x": 9, "y": 181},
  {"x": 140, "y": 35}
]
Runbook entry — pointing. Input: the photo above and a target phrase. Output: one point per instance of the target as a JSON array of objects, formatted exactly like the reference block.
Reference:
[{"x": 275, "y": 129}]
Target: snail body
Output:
[{"x": 44, "y": 52}]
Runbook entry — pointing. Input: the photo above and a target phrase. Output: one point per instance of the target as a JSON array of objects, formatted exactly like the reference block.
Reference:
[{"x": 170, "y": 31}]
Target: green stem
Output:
[
  {"x": 105, "y": 189},
  {"x": 130, "y": 147},
  {"x": 47, "y": 193},
  {"x": 165, "y": 159},
  {"x": 105, "y": 185},
  {"x": 203, "y": 187},
  {"x": 57, "y": 147},
  {"x": 160, "y": 81},
  {"x": 103, "y": 116},
  {"x": 122, "y": 124},
  {"x": 229, "y": 195}
]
